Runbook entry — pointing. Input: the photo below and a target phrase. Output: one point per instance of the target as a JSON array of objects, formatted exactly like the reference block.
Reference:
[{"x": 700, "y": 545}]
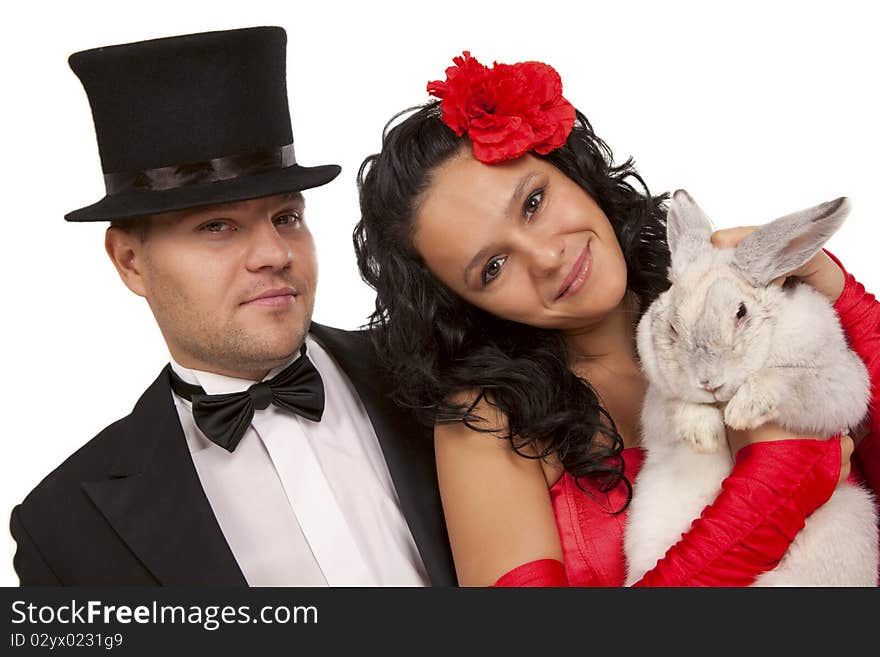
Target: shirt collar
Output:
[{"x": 217, "y": 384}]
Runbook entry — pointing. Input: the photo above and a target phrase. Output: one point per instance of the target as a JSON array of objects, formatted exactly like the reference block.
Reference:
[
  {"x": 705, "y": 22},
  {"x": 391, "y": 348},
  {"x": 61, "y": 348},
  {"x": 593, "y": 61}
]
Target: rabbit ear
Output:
[
  {"x": 688, "y": 231},
  {"x": 783, "y": 245}
]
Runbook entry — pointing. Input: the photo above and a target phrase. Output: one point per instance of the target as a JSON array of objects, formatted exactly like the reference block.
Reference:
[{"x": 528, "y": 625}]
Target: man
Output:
[{"x": 267, "y": 452}]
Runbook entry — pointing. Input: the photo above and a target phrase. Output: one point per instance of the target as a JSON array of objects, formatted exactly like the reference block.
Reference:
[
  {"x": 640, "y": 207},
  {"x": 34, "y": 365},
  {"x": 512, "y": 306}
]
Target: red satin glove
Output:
[
  {"x": 859, "y": 314},
  {"x": 543, "y": 572},
  {"x": 773, "y": 487}
]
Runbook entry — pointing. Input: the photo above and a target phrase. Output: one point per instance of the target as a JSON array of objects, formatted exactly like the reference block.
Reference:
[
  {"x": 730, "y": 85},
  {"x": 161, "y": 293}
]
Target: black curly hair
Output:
[{"x": 441, "y": 349}]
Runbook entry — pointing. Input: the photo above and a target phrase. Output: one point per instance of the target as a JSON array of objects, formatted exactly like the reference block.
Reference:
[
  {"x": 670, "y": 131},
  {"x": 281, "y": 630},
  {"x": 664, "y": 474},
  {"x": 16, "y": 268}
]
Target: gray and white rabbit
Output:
[{"x": 723, "y": 345}]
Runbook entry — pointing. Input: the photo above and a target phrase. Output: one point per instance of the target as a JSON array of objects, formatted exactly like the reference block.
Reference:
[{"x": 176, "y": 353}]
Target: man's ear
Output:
[{"x": 126, "y": 252}]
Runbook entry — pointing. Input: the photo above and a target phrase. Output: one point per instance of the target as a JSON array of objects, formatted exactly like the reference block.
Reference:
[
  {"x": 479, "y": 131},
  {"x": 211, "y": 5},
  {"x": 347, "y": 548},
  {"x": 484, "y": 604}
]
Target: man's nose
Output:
[{"x": 268, "y": 248}]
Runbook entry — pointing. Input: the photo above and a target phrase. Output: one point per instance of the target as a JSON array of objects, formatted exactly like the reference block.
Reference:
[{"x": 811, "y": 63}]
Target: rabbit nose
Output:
[{"x": 709, "y": 386}]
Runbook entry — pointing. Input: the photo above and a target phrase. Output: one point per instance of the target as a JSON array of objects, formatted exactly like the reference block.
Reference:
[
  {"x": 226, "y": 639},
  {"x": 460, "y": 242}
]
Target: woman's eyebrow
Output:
[
  {"x": 513, "y": 204},
  {"x": 476, "y": 260}
]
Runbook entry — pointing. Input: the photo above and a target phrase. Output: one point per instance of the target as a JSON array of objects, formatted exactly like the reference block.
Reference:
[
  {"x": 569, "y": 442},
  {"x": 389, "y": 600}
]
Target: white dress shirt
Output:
[{"x": 305, "y": 503}]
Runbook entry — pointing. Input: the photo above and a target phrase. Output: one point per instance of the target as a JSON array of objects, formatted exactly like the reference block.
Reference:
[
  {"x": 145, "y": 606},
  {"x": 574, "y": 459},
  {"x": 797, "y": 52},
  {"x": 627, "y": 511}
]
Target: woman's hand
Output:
[
  {"x": 820, "y": 271},
  {"x": 771, "y": 432}
]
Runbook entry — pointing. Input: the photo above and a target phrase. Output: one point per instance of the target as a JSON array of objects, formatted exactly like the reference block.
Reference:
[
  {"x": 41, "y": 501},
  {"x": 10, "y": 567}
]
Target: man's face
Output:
[{"x": 232, "y": 286}]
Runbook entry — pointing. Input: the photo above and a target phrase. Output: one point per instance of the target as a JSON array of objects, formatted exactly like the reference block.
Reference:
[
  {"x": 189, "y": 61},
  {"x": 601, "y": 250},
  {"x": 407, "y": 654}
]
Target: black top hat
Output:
[{"x": 192, "y": 120}]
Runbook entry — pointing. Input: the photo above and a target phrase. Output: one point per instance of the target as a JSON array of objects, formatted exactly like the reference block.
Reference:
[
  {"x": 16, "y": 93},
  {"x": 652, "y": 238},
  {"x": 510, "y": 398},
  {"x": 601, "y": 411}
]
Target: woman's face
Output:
[{"x": 522, "y": 241}]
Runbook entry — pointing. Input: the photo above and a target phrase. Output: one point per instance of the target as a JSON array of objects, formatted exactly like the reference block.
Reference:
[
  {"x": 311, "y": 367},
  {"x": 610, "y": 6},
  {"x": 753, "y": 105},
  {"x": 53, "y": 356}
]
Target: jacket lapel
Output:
[
  {"x": 406, "y": 445},
  {"x": 155, "y": 502}
]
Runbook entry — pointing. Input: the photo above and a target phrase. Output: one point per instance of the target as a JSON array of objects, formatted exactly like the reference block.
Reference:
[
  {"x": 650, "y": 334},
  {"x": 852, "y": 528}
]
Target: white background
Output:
[{"x": 757, "y": 109}]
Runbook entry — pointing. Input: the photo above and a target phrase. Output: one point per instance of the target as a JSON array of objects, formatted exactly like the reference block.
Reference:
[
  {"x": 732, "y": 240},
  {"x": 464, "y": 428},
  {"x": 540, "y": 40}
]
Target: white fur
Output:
[{"x": 785, "y": 361}]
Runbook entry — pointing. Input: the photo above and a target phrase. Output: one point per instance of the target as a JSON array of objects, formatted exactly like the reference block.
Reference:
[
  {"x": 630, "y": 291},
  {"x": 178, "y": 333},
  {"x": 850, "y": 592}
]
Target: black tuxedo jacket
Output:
[{"x": 128, "y": 509}]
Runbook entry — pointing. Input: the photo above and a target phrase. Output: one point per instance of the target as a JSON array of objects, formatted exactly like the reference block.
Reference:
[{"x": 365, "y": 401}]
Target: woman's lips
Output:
[{"x": 579, "y": 273}]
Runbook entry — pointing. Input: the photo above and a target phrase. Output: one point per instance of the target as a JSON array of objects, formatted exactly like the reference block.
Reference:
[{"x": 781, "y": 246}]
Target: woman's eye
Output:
[
  {"x": 492, "y": 269},
  {"x": 533, "y": 203}
]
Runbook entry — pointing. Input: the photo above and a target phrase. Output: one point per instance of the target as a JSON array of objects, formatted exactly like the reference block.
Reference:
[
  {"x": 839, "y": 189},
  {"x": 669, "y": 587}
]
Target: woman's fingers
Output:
[
  {"x": 846, "y": 451},
  {"x": 727, "y": 238}
]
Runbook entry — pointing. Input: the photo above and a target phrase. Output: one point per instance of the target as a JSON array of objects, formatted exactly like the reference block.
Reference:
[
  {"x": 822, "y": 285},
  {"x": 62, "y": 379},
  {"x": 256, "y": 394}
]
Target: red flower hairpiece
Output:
[{"x": 506, "y": 110}]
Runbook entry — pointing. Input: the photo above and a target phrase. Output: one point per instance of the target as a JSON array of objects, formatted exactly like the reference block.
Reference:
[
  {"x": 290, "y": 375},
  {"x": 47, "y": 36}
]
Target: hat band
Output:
[{"x": 198, "y": 173}]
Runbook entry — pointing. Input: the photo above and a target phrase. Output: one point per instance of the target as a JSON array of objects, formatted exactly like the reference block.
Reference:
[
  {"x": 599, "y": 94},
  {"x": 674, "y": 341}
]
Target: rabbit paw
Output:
[
  {"x": 701, "y": 427},
  {"x": 751, "y": 406}
]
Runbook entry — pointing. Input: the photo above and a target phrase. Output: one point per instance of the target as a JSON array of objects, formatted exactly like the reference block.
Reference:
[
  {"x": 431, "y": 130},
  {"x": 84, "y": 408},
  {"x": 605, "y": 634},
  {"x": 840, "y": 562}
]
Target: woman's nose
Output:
[{"x": 546, "y": 256}]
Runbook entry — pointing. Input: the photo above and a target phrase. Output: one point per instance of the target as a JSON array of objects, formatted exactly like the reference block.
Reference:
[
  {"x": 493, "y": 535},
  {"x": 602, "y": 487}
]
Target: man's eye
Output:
[
  {"x": 492, "y": 269},
  {"x": 533, "y": 203},
  {"x": 288, "y": 218},
  {"x": 216, "y": 227}
]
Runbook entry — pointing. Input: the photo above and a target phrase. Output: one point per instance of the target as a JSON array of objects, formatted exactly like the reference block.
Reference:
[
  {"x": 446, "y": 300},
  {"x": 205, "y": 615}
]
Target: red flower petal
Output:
[
  {"x": 507, "y": 110},
  {"x": 495, "y": 129}
]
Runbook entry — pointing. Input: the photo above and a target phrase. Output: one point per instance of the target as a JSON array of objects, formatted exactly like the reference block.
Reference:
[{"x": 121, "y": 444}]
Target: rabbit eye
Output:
[
  {"x": 741, "y": 312},
  {"x": 672, "y": 329}
]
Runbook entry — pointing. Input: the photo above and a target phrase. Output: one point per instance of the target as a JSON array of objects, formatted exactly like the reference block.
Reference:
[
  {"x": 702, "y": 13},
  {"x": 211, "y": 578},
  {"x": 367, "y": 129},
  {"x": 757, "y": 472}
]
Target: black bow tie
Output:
[{"x": 224, "y": 418}]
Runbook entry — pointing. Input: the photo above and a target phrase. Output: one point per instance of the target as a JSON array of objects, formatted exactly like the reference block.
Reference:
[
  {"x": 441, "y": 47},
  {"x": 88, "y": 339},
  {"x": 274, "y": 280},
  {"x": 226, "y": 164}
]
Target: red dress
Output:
[{"x": 773, "y": 487}]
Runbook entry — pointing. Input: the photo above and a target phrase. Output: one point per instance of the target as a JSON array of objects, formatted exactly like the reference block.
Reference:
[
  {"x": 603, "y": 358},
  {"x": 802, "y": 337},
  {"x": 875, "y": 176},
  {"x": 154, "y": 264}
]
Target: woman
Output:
[{"x": 512, "y": 261}]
